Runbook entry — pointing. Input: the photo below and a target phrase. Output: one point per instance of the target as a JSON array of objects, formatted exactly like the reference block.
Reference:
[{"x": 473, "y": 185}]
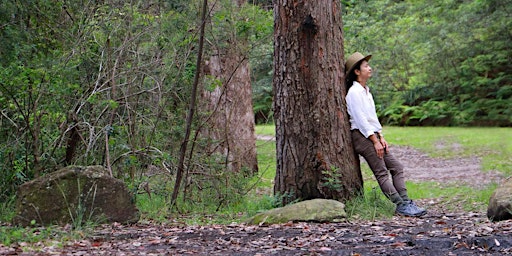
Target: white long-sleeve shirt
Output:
[{"x": 361, "y": 109}]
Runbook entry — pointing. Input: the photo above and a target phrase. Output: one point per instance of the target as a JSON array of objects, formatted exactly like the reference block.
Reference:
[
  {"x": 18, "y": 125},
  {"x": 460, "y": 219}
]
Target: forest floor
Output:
[{"x": 443, "y": 231}]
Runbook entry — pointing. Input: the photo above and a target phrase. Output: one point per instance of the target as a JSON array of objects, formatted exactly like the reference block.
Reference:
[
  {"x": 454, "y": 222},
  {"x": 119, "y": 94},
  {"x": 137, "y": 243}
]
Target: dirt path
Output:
[{"x": 420, "y": 167}]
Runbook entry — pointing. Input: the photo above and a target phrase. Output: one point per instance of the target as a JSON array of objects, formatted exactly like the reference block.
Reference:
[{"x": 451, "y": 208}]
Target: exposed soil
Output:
[
  {"x": 443, "y": 231},
  {"x": 467, "y": 171}
]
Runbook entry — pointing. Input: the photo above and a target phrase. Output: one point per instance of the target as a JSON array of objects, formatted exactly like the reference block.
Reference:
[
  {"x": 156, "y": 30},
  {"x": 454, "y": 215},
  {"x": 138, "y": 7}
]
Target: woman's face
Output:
[{"x": 364, "y": 71}]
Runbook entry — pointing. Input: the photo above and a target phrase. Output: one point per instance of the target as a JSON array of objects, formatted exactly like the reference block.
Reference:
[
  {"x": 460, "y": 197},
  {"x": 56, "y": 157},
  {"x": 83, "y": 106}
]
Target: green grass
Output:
[
  {"x": 266, "y": 151},
  {"x": 493, "y": 145},
  {"x": 265, "y": 129},
  {"x": 33, "y": 234}
]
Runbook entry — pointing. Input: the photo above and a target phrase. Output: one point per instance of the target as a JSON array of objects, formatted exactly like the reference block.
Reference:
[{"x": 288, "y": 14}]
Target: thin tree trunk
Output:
[
  {"x": 192, "y": 106},
  {"x": 315, "y": 158},
  {"x": 73, "y": 139}
]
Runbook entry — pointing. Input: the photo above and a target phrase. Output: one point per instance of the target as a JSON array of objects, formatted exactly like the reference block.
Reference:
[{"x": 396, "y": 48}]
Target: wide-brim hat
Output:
[{"x": 353, "y": 59}]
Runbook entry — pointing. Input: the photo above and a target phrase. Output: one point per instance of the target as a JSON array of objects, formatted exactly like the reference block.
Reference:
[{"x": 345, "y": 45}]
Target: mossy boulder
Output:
[
  {"x": 315, "y": 210},
  {"x": 75, "y": 195},
  {"x": 500, "y": 203}
]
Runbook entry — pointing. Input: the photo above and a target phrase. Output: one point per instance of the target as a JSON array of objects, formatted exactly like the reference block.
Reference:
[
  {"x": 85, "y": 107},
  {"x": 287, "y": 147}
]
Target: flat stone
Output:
[{"x": 315, "y": 210}]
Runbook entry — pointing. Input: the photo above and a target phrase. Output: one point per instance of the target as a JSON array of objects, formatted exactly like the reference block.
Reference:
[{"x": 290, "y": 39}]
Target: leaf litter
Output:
[{"x": 442, "y": 231}]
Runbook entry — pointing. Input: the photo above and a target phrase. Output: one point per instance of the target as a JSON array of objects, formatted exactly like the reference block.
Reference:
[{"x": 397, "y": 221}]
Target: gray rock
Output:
[
  {"x": 500, "y": 203},
  {"x": 75, "y": 195},
  {"x": 315, "y": 210}
]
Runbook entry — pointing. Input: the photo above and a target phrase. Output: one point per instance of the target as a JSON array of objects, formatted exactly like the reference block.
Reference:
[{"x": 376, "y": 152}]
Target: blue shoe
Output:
[
  {"x": 419, "y": 209},
  {"x": 409, "y": 210}
]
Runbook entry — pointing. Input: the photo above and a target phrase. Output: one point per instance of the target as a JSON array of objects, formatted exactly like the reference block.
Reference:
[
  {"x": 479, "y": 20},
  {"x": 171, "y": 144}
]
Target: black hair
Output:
[{"x": 351, "y": 77}]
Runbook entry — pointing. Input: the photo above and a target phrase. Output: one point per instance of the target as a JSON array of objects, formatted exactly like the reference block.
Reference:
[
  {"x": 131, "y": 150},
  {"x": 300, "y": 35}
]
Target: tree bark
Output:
[
  {"x": 315, "y": 158},
  {"x": 231, "y": 123}
]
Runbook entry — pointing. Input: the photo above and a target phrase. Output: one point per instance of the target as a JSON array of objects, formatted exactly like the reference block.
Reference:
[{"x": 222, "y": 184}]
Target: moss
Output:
[
  {"x": 317, "y": 210},
  {"x": 75, "y": 195}
]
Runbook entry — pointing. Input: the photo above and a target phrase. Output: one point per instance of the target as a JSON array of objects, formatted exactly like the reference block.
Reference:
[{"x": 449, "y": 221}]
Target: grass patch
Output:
[
  {"x": 453, "y": 197},
  {"x": 492, "y": 144},
  {"x": 371, "y": 205},
  {"x": 54, "y": 234},
  {"x": 155, "y": 207},
  {"x": 266, "y": 151},
  {"x": 265, "y": 129}
]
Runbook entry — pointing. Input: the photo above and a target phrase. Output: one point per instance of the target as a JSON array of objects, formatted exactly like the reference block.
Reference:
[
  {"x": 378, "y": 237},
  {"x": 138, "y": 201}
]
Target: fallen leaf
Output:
[{"x": 399, "y": 244}]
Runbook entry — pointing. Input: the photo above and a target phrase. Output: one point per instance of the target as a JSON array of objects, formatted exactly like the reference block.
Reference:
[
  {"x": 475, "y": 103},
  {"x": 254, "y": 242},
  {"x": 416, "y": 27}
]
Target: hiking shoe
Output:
[
  {"x": 408, "y": 210},
  {"x": 421, "y": 210}
]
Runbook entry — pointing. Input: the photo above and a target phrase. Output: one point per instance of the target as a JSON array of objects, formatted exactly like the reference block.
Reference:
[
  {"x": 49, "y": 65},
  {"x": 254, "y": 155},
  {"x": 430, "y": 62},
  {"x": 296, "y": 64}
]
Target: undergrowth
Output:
[{"x": 223, "y": 198}]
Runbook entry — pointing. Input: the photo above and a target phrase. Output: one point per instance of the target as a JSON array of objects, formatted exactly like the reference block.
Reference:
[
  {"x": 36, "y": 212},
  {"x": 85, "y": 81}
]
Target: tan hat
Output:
[{"x": 353, "y": 60}]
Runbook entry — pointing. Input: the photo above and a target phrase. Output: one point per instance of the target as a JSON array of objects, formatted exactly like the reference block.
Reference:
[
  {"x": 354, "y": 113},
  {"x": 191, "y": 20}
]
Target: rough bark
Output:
[
  {"x": 231, "y": 123},
  {"x": 315, "y": 158}
]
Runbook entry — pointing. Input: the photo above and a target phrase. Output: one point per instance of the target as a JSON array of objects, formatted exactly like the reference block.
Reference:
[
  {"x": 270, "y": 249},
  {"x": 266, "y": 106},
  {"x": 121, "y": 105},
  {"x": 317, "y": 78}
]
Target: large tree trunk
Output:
[
  {"x": 231, "y": 124},
  {"x": 315, "y": 158}
]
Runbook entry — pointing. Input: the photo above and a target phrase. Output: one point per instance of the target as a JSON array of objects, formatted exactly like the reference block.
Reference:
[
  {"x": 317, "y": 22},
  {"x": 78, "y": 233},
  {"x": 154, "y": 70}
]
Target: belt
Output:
[{"x": 376, "y": 133}]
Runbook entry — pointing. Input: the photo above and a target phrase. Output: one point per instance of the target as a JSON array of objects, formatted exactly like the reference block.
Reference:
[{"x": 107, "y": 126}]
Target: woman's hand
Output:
[
  {"x": 380, "y": 144},
  {"x": 384, "y": 144},
  {"x": 379, "y": 148}
]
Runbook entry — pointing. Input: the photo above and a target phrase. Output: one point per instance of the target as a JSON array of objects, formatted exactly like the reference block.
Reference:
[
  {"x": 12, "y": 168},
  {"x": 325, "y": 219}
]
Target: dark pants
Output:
[{"x": 381, "y": 167}]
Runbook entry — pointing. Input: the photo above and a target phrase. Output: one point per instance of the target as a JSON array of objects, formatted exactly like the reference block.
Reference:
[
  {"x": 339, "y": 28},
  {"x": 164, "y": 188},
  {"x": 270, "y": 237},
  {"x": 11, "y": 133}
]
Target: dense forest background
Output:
[{"x": 108, "y": 81}]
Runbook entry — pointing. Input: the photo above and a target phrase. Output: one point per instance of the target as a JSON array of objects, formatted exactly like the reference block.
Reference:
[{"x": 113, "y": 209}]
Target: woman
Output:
[{"x": 368, "y": 140}]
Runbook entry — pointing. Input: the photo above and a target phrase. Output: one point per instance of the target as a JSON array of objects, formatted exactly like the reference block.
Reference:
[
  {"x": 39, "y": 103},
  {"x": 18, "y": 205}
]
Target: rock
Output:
[
  {"x": 75, "y": 195},
  {"x": 500, "y": 203},
  {"x": 315, "y": 210}
]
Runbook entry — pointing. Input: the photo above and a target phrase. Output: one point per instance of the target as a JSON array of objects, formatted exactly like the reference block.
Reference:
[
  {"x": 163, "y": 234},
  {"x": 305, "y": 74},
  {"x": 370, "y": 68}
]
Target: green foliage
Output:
[
  {"x": 261, "y": 61},
  {"x": 220, "y": 198},
  {"x": 436, "y": 63},
  {"x": 154, "y": 207},
  {"x": 7, "y": 210},
  {"x": 331, "y": 179},
  {"x": 265, "y": 129},
  {"x": 266, "y": 163},
  {"x": 209, "y": 189},
  {"x": 88, "y": 71}
]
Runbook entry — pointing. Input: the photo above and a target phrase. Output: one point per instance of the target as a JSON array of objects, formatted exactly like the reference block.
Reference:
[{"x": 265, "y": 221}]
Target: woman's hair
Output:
[{"x": 351, "y": 77}]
